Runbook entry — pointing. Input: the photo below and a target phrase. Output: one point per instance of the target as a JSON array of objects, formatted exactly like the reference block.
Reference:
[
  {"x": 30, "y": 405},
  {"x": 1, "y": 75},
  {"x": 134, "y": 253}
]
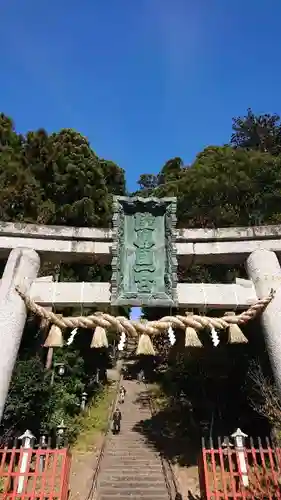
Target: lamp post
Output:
[
  {"x": 26, "y": 439},
  {"x": 239, "y": 442},
  {"x": 60, "y": 434},
  {"x": 83, "y": 401},
  {"x": 61, "y": 370},
  {"x": 43, "y": 445},
  {"x": 97, "y": 376}
]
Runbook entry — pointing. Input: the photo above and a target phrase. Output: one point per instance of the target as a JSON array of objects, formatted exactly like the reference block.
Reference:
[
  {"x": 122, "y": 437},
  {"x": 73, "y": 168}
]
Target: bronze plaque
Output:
[{"x": 144, "y": 263}]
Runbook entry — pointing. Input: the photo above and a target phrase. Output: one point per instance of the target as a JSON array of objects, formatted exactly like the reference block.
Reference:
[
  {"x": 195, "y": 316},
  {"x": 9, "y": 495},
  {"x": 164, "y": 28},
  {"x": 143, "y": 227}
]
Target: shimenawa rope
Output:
[{"x": 136, "y": 328}]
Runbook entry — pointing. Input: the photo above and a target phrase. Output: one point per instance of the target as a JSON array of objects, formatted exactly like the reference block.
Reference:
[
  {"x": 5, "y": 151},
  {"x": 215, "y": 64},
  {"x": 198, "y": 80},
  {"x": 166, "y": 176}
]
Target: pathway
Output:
[{"x": 131, "y": 467}]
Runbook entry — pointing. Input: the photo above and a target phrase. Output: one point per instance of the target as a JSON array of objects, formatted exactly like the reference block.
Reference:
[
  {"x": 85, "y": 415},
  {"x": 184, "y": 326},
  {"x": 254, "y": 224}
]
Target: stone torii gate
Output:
[{"x": 141, "y": 228}]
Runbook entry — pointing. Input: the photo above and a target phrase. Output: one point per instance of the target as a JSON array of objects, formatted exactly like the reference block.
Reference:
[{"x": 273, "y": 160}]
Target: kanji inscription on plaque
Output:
[{"x": 144, "y": 263}]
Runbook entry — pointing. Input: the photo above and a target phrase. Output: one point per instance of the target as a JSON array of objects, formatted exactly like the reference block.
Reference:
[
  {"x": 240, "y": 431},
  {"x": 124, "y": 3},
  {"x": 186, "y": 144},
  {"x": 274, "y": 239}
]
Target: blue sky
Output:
[{"x": 144, "y": 80}]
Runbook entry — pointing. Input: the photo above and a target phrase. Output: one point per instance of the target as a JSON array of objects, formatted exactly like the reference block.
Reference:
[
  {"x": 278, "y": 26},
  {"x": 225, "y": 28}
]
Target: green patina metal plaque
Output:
[{"x": 144, "y": 263}]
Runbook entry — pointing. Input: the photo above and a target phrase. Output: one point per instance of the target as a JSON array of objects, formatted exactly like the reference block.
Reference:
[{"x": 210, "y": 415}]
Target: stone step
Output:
[
  {"x": 136, "y": 452},
  {"x": 129, "y": 437},
  {"x": 130, "y": 445},
  {"x": 137, "y": 420},
  {"x": 133, "y": 429},
  {"x": 148, "y": 496},
  {"x": 137, "y": 428},
  {"x": 129, "y": 475},
  {"x": 135, "y": 409},
  {"x": 130, "y": 462},
  {"x": 131, "y": 434},
  {"x": 141, "y": 492},
  {"x": 131, "y": 467},
  {"x": 133, "y": 449},
  {"x": 140, "y": 476},
  {"x": 133, "y": 459},
  {"x": 132, "y": 483},
  {"x": 111, "y": 470},
  {"x": 133, "y": 417},
  {"x": 137, "y": 414},
  {"x": 143, "y": 443}
]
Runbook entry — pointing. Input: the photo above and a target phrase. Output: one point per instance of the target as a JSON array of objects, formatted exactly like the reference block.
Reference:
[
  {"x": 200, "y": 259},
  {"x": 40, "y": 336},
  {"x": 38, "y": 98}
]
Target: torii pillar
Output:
[
  {"x": 21, "y": 269},
  {"x": 264, "y": 270}
]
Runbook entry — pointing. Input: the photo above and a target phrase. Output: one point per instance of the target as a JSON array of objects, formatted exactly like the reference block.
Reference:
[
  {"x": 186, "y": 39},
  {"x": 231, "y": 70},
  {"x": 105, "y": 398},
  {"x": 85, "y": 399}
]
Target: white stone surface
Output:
[
  {"x": 19, "y": 229},
  {"x": 95, "y": 234},
  {"x": 231, "y": 252},
  {"x": 264, "y": 269},
  {"x": 21, "y": 269},
  {"x": 87, "y": 251},
  {"x": 200, "y": 246},
  {"x": 59, "y": 249},
  {"x": 229, "y": 233},
  {"x": 189, "y": 295}
]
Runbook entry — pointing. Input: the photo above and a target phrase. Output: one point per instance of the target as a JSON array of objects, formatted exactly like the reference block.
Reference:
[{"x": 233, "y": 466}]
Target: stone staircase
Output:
[
  {"x": 131, "y": 468},
  {"x": 130, "y": 349}
]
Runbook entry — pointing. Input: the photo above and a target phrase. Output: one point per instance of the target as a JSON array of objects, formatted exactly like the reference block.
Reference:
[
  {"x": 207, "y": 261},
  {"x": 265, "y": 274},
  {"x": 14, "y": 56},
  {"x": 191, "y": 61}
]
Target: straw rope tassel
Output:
[
  {"x": 145, "y": 346},
  {"x": 99, "y": 338},
  {"x": 235, "y": 334},
  {"x": 55, "y": 338},
  {"x": 191, "y": 338}
]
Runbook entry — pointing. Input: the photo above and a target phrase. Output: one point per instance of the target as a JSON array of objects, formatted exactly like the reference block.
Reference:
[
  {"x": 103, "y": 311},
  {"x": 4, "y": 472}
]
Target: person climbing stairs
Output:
[{"x": 131, "y": 467}]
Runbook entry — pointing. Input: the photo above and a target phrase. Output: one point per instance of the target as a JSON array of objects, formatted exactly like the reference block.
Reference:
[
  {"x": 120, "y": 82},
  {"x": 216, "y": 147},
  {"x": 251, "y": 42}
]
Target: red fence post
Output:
[
  {"x": 222, "y": 476},
  {"x": 31, "y": 482},
  {"x": 202, "y": 470}
]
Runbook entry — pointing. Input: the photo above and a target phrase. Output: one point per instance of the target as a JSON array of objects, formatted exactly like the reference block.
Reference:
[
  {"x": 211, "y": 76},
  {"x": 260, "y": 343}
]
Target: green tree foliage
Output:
[
  {"x": 54, "y": 179},
  {"x": 226, "y": 187},
  {"x": 232, "y": 185},
  {"x": 148, "y": 181},
  {"x": 71, "y": 184},
  {"x": 29, "y": 401},
  {"x": 171, "y": 171},
  {"x": 257, "y": 132}
]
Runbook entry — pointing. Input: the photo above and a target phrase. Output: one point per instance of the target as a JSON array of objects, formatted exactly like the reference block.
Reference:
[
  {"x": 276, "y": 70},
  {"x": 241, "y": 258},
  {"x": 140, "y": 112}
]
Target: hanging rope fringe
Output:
[
  {"x": 191, "y": 338},
  {"x": 135, "y": 328},
  {"x": 99, "y": 338},
  {"x": 214, "y": 336},
  {"x": 171, "y": 336},
  {"x": 122, "y": 342},
  {"x": 55, "y": 338},
  {"x": 145, "y": 346},
  {"x": 235, "y": 334},
  {"x": 72, "y": 336}
]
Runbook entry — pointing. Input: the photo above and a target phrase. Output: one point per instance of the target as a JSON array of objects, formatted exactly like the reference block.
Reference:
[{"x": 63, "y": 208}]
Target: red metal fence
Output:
[
  {"x": 252, "y": 472},
  {"x": 34, "y": 474}
]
